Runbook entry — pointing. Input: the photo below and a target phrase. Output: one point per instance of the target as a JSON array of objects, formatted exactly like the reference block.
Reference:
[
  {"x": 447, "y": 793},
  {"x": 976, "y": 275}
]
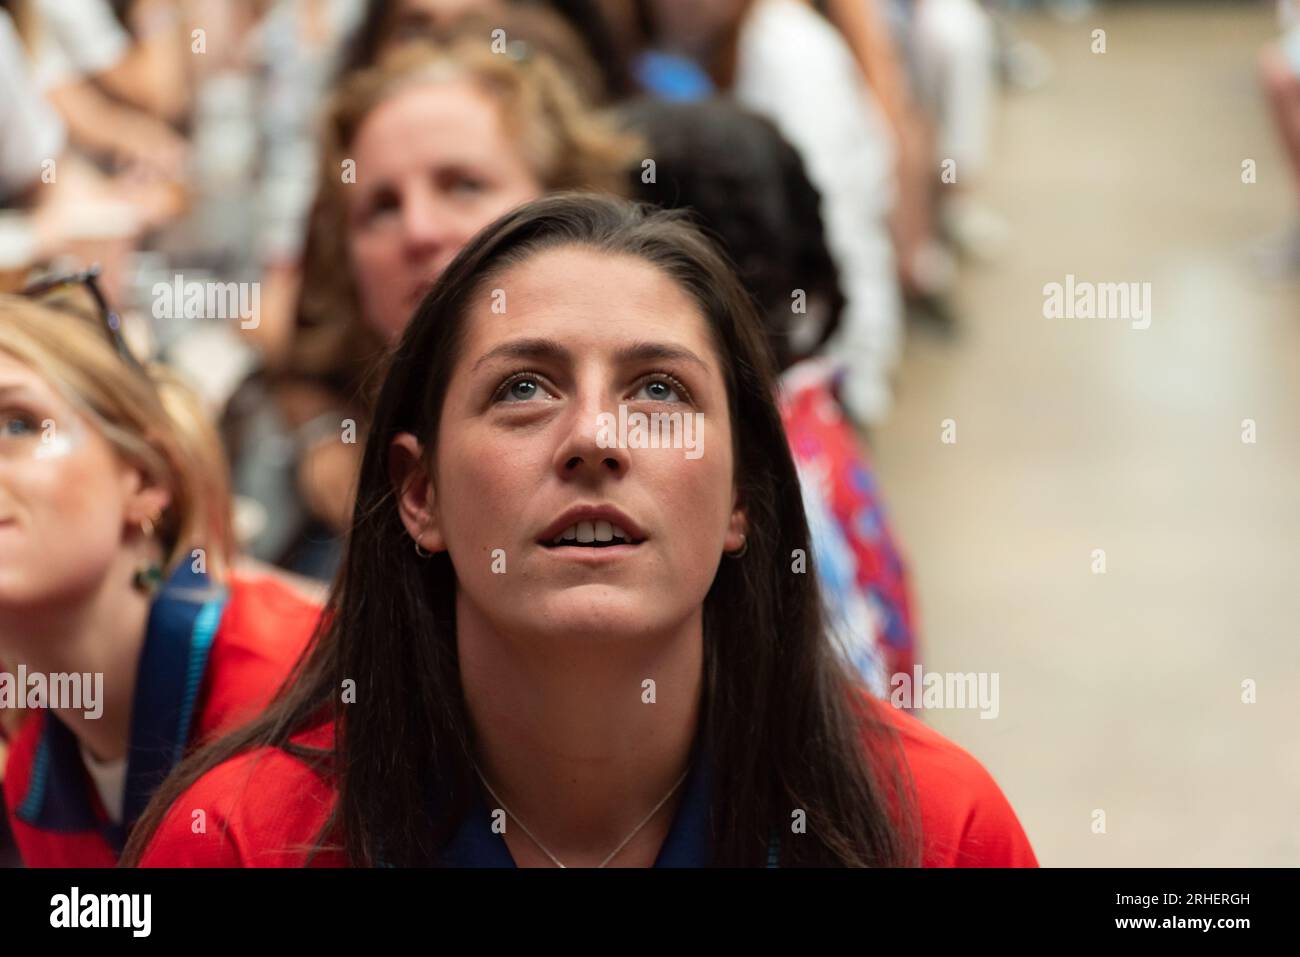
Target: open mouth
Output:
[{"x": 597, "y": 534}]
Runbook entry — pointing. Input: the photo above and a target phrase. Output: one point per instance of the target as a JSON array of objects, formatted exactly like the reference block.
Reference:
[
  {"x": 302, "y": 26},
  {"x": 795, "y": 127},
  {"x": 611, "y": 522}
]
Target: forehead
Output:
[
  {"x": 588, "y": 298},
  {"x": 18, "y": 377},
  {"x": 431, "y": 121}
]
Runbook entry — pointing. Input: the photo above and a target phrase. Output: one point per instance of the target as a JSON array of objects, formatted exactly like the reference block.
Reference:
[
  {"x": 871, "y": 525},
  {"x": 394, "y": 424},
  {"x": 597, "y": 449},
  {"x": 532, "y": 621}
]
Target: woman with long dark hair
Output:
[{"x": 552, "y": 643}]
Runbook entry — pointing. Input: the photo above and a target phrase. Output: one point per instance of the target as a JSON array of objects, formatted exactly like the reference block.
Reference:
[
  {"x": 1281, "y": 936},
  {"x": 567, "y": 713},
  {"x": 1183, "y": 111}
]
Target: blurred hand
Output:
[{"x": 152, "y": 145}]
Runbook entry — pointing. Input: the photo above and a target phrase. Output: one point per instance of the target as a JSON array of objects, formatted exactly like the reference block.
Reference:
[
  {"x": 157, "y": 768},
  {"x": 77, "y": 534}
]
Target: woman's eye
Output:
[
  {"x": 16, "y": 426},
  {"x": 520, "y": 388},
  {"x": 382, "y": 205},
  {"x": 523, "y": 389},
  {"x": 661, "y": 390},
  {"x": 468, "y": 185},
  {"x": 460, "y": 181}
]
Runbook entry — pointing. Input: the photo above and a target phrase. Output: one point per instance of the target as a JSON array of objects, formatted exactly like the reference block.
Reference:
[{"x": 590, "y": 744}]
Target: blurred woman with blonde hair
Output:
[
  {"x": 116, "y": 580},
  {"x": 421, "y": 151}
]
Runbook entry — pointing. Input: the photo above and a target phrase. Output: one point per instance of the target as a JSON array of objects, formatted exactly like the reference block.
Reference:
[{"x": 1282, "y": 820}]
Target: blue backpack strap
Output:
[
  {"x": 183, "y": 621},
  {"x": 182, "y": 625},
  {"x": 56, "y": 794}
]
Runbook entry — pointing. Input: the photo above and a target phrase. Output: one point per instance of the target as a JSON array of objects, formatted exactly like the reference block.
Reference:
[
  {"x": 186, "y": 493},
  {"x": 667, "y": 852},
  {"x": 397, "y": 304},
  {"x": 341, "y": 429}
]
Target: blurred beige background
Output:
[{"x": 1122, "y": 691}]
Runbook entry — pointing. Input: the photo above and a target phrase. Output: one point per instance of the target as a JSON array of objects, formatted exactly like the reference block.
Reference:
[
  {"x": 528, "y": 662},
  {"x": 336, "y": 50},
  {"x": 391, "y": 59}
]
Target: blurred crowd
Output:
[
  {"x": 328, "y": 158},
  {"x": 318, "y": 163},
  {"x": 333, "y": 155}
]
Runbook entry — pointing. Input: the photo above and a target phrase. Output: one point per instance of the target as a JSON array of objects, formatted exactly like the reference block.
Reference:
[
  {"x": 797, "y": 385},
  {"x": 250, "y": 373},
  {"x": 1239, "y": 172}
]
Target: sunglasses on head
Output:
[{"x": 54, "y": 291}]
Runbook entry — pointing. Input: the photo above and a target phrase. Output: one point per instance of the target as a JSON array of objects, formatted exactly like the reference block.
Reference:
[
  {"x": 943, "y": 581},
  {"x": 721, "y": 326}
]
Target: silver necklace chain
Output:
[{"x": 612, "y": 854}]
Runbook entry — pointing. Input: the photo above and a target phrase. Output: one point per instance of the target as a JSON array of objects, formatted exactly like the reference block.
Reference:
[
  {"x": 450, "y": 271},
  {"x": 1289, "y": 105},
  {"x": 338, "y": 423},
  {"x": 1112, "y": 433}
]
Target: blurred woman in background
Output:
[
  {"x": 421, "y": 152},
  {"x": 783, "y": 60},
  {"x": 116, "y": 562}
]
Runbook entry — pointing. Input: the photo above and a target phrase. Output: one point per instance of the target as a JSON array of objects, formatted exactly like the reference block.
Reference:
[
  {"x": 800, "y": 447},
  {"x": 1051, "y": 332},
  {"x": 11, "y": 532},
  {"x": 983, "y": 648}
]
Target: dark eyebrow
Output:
[
  {"x": 525, "y": 349},
  {"x": 550, "y": 349},
  {"x": 646, "y": 351}
]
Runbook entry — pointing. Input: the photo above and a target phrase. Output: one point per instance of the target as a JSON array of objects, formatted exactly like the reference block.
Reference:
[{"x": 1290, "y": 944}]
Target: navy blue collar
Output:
[{"x": 183, "y": 621}]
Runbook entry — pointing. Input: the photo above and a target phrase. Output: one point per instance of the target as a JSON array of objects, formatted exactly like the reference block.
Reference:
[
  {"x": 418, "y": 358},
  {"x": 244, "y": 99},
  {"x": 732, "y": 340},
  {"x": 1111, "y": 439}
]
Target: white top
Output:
[
  {"x": 793, "y": 67},
  {"x": 77, "y": 38},
  {"x": 30, "y": 130},
  {"x": 109, "y": 778}
]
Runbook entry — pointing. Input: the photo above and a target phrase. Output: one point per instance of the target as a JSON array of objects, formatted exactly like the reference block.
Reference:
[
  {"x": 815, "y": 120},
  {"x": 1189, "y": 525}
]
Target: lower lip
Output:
[{"x": 592, "y": 556}]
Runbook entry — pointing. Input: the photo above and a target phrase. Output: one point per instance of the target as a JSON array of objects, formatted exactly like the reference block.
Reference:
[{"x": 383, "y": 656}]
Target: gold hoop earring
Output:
[
  {"x": 744, "y": 547},
  {"x": 421, "y": 552}
]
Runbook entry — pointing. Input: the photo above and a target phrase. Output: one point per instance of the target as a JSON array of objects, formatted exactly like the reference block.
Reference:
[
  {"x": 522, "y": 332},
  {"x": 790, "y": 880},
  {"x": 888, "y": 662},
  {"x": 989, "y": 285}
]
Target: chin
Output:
[
  {"x": 598, "y": 612},
  {"x": 17, "y": 590},
  {"x": 15, "y": 573}
]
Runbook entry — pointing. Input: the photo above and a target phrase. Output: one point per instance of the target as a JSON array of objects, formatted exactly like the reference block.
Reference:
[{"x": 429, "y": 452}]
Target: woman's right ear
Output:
[{"x": 416, "y": 501}]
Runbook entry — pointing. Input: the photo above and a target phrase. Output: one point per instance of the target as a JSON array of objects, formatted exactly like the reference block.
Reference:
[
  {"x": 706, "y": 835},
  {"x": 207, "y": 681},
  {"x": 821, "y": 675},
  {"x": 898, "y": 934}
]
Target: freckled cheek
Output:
[
  {"x": 695, "y": 500},
  {"x": 486, "y": 497}
]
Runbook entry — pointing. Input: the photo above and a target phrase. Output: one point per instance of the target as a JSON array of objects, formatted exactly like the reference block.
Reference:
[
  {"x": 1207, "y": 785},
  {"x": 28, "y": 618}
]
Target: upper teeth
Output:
[{"x": 597, "y": 531}]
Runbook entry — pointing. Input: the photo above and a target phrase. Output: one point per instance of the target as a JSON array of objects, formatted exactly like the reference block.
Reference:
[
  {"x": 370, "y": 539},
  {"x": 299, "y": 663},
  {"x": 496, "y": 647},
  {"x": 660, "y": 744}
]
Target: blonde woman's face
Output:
[
  {"x": 66, "y": 498},
  {"x": 434, "y": 165}
]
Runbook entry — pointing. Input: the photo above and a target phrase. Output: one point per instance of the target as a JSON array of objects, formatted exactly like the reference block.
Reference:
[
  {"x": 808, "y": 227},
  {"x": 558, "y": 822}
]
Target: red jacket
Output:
[
  {"x": 212, "y": 660},
  {"x": 263, "y": 807}
]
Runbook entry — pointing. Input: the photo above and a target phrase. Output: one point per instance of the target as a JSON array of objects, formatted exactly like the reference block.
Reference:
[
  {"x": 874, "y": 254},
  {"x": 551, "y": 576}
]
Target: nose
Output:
[
  {"x": 592, "y": 447},
  {"x": 428, "y": 228}
]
